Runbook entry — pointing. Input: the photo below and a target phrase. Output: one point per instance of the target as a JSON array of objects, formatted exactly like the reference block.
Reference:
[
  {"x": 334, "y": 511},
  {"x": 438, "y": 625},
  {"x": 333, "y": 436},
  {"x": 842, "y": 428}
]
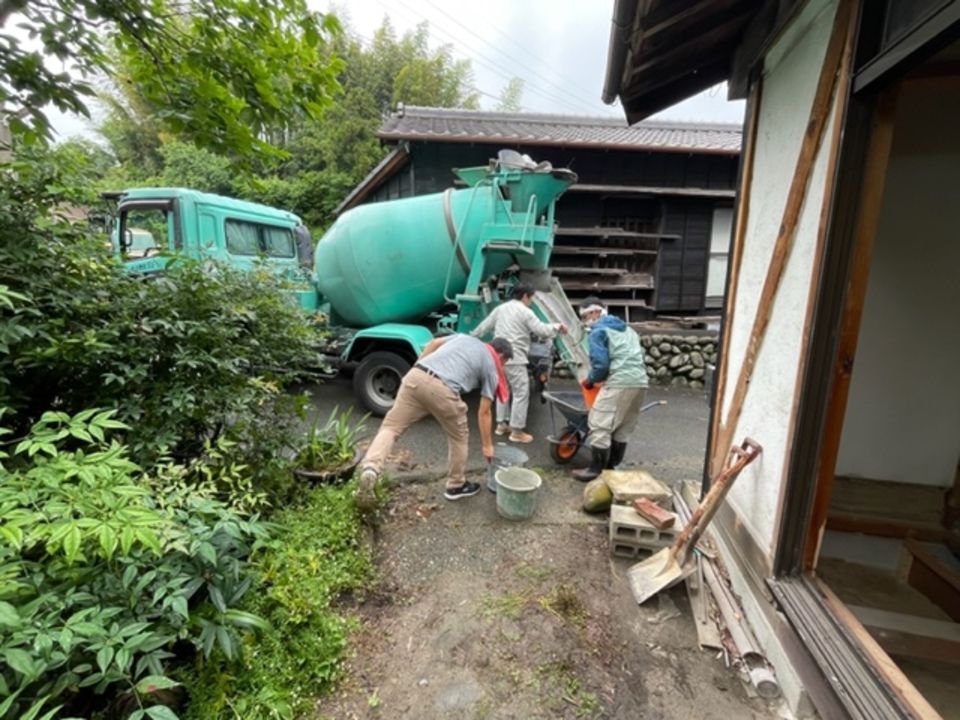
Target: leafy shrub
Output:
[
  {"x": 331, "y": 445},
  {"x": 194, "y": 356},
  {"x": 100, "y": 580},
  {"x": 315, "y": 556}
]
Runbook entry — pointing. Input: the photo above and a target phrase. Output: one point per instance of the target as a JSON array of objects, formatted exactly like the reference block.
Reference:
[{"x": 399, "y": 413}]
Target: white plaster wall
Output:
[
  {"x": 790, "y": 78},
  {"x": 903, "y": 412}
]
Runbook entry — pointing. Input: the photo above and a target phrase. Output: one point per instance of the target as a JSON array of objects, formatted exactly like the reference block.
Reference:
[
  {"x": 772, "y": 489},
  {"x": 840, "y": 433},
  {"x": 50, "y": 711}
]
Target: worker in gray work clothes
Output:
[
  {"x": 447, "y": 368},
  {"x": 516, "y": 322},
  {"x": 616, "y": 360}
]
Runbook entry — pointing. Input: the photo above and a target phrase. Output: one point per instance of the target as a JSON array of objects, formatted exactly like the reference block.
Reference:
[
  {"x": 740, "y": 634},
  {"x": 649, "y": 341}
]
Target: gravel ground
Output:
[{"x": 475, "y": 616}]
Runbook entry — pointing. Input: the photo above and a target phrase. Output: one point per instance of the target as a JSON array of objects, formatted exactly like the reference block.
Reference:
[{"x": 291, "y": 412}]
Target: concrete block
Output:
[{"x": 629, "y": 530}]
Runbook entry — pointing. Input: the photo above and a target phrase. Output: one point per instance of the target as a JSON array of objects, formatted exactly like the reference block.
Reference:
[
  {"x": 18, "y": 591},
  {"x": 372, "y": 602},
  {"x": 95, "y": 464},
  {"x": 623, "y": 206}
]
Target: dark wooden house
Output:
[{"x": 647, "y": 225}]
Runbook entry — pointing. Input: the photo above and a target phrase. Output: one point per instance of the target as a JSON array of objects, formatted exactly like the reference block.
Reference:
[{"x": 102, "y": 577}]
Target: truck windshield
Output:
[{"x": 146, "y": 230}]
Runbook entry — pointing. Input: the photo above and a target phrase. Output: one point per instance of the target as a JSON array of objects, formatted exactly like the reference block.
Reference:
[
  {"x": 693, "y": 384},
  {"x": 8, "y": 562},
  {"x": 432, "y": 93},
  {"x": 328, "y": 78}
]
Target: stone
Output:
[
  {"x": 683, "y": 370},
  {"x": 654, "y": 352},
  {"x": 665, "y": 347},
  {"x": 676, "y": 361},
  {"x": 597, "y": 496},
  {"x": 663, "y": 371},
  {"x": 629, "y": 485},
  {"x": 697, "y": 359},
  {"x": 696, "y": 373}
]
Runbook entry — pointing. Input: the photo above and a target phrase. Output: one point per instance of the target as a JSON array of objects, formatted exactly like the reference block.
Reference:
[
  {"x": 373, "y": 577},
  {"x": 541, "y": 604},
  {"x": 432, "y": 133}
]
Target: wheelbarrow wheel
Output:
[{"x": 566, "y": 445}]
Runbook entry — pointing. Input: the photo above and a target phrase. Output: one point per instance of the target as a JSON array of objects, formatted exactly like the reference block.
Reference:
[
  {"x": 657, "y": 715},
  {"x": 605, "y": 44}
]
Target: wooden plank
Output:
[
  {"x": 613, "y": 232},
  {"x": 864, "y": 235},
  {"x": 599, "y": 251},
  {"x": 887, "y": 499},
  {"x": 651, "y": 190},
  {"x": 935, "y": 573},
  {"x": 783, "y": 245},
  {"x": 716, "y": 452},
  {"x": 882, "y": 527},
  {"x": 951, "y": 502},
  {"x": 878, "y": 658},
  {"x": 911, "y": 636},
  {"x": 560, "y": 270}
]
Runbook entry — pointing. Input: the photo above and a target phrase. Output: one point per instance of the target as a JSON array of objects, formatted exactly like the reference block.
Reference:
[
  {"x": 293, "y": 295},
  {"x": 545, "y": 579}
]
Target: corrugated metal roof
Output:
[{"x": 456, "y": 125}]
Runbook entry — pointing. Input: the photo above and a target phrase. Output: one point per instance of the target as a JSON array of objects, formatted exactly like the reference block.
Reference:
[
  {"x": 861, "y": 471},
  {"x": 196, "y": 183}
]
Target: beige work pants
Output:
[
  {"x": 614, "y": 415},
  {"x": 420, "y": 395}
]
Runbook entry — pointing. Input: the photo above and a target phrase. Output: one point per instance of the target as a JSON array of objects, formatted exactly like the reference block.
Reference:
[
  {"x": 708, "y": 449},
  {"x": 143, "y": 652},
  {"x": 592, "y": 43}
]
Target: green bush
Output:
[
  {"x": 100, "y": 579},
  {"x": 197, "y": 355},
  {"x": 314, "y": 557}
]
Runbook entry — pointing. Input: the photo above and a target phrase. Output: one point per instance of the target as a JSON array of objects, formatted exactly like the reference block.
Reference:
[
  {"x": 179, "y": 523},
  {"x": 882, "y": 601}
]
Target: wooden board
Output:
[
  {"x": 935, "y": 572},
  {"x": 911, "y": 636}
]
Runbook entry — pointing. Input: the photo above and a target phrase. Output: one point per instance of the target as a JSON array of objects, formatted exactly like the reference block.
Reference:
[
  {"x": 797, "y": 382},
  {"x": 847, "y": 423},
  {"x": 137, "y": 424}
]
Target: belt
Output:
[{"x": 427, "y": 370}]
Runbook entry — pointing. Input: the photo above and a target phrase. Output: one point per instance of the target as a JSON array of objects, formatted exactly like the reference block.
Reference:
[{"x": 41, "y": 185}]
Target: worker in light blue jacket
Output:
[{"x": 617, "y": 361}]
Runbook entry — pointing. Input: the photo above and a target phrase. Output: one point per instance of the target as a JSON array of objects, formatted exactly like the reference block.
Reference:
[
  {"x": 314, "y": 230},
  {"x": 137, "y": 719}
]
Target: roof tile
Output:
[{"x": 446, "y": 124}]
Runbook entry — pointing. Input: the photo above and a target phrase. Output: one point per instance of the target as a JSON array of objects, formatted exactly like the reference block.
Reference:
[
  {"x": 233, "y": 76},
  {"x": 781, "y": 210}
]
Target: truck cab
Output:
[{"x": 152, "y": 225}]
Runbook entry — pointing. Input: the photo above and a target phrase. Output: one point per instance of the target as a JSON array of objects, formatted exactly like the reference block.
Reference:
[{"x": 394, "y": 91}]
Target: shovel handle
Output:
[{"x": 738, "y": 457}]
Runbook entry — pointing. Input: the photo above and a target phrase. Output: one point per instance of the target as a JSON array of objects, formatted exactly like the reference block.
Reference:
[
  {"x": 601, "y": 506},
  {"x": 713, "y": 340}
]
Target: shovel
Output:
[{"x": 673, "y": 564}]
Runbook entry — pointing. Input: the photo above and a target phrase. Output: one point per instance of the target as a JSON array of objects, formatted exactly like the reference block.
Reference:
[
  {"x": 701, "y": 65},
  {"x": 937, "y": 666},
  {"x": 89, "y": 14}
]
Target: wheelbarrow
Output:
[{"x": 571, "y": 405}]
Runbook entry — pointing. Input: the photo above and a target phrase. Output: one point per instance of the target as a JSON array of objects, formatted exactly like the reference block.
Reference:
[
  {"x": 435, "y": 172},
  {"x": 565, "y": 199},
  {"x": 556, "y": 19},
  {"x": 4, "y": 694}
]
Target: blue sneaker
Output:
[{"x": 468, "y": 489}]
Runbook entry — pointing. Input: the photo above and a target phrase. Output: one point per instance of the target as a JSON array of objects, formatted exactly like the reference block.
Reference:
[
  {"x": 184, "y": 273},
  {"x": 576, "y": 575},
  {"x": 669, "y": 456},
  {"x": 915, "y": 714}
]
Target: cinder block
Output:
[{"x": 628, "y": 529}]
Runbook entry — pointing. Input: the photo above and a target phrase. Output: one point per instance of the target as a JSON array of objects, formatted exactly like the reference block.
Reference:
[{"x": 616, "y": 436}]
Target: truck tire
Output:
[{"x": 376, "y": 381}]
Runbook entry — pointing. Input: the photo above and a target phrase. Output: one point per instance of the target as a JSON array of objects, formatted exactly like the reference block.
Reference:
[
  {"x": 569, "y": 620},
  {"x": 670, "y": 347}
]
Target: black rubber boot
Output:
[
  {"x": 597, "y": 464},
  {"x": 617, "y": 452}
]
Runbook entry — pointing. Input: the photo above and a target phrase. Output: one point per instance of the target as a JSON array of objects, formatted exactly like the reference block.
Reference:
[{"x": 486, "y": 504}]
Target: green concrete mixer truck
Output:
[{"x": 386, "y": 277}]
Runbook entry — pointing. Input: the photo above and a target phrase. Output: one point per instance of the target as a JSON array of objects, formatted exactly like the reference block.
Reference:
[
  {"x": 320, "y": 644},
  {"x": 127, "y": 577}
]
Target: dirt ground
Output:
[{"x": 475, "y": 616}]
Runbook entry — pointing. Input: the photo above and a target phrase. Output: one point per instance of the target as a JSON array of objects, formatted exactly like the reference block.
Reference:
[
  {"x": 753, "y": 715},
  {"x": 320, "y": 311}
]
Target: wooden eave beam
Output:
[
  {"x": 670, "y": 13},
  {"x": 695, "y": 46}
]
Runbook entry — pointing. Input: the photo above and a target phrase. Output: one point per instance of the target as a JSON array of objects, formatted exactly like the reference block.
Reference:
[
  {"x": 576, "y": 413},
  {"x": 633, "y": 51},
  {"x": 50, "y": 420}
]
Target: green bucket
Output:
[{"x": 517, "y": 492}]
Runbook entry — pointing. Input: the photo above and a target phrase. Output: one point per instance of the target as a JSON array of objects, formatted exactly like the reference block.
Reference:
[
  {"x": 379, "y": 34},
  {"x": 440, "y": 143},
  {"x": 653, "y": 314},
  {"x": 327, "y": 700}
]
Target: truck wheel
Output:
[{"x": 376, "y": 381}]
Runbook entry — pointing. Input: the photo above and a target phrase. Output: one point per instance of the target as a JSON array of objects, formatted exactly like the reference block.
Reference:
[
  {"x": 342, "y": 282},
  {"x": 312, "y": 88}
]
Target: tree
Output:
[
  {"x": 511, "y": 96},
  {"x": 218, "y": 73}
]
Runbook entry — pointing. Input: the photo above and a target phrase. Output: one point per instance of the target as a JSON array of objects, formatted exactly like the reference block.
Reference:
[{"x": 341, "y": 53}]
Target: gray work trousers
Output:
[
  {"x": 516, "y": 407},
  {"x": 614, "y": 415}
]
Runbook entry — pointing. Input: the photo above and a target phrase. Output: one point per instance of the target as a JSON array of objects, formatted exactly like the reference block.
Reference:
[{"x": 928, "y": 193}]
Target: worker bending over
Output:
[{"x": 447, "y": 368}]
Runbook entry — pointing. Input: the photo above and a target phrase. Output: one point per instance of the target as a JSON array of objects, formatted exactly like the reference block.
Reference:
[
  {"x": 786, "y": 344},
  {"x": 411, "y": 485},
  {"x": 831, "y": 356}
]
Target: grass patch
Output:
[
  {"x": 508, "y": 604},
  {"x": 314, "y": 558},
  {"x": 561, "y": 676},
  {"x": 564, "y": 602}
]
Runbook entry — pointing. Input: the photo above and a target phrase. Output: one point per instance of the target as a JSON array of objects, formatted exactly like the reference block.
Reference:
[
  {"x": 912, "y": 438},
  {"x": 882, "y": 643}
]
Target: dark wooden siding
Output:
[{"x": 668, "y": 233}]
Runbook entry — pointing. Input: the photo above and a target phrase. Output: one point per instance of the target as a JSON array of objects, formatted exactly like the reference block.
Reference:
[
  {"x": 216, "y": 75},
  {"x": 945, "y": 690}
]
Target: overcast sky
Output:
[{"x": 558, "y": 47}]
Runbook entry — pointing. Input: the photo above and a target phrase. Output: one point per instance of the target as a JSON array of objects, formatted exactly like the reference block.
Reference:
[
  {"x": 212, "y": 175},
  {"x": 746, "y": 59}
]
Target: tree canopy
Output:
[
  {"x": 217, "y": 73},
  {"x": 322, "y": 158}
]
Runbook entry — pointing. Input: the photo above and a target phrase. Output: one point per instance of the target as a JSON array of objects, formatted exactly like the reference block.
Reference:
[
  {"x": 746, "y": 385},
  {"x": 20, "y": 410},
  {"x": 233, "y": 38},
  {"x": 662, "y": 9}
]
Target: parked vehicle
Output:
[{"x": 386, "y": 277}]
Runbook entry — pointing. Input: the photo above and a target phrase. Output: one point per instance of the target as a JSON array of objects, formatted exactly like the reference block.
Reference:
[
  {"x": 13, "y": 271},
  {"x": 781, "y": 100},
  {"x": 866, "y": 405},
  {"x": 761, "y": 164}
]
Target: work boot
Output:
[
  {"x": 599, "y": 460},
  {"x": 617, "y": 452}
]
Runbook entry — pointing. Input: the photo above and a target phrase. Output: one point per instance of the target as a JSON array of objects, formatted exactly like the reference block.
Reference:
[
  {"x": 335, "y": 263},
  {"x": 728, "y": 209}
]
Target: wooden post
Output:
[
  {"x": 812, "y": 139},
  {"x": 871, "y": 195}
]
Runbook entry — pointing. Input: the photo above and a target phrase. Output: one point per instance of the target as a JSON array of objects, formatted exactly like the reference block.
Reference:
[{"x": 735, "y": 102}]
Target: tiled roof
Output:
[{"x": 449, "y": 125}]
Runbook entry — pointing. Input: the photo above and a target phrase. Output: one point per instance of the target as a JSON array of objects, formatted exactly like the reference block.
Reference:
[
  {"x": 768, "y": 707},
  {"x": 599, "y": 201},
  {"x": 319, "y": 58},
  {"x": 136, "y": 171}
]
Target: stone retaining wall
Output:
[
  {"x": 673, "y": 359},
  {"x": 679, "y": 359}
]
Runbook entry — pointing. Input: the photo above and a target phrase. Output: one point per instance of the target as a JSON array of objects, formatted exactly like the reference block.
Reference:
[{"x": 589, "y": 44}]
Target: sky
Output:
[{"x": 558, "y": 47}]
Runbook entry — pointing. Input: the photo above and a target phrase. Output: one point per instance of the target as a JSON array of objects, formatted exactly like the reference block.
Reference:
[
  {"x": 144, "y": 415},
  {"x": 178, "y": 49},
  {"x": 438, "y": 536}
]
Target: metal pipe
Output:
[{"x": 758, "y": 670}]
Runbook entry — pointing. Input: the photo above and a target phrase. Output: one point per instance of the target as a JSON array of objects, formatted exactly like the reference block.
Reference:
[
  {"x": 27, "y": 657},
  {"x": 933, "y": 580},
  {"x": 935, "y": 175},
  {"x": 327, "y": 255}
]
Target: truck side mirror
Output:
[
  {"x": 304, "y": 246},
  {"x": 126, "y": 240}
]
